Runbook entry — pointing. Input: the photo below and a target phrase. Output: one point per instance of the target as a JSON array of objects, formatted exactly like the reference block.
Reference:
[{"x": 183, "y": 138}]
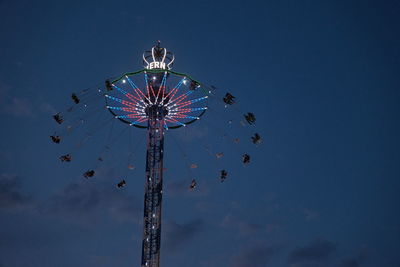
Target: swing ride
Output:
[{"x": 156, "y": 99}]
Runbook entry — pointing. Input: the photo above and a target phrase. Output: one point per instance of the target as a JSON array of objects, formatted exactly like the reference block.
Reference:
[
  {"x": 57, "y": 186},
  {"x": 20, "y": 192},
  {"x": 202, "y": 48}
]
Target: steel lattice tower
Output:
[
  {"x": 157, "y": 107},
  {"x": 153, "y": 188}
]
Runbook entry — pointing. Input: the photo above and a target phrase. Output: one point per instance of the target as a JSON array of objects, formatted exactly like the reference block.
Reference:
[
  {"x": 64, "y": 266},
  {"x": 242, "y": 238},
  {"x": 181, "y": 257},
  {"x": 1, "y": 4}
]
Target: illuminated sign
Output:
[{"x": 158, "y": 64}]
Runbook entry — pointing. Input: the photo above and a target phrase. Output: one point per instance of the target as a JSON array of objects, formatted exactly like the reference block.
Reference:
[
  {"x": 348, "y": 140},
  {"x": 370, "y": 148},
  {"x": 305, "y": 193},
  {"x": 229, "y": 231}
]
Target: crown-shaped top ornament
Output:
[{"x": 158, "y": 58}]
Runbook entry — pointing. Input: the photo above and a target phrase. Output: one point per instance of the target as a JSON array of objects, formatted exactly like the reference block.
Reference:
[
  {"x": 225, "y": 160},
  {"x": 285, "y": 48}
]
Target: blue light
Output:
[
  {"x": 131, "y": 83},
  {"x": 198, "y": 99},
  {"x": 116, "y": 108},
  {"x": 115, "y": 98},
  {"x": 119, "y": 89}
]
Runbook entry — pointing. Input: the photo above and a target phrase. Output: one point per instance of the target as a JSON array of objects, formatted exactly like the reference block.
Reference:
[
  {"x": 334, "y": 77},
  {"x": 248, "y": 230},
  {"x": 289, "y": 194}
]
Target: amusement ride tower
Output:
[{"x": 163, "y": 100}]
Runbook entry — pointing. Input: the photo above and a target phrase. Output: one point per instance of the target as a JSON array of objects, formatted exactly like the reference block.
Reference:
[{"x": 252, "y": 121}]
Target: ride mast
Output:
[
  {"x": 157, "y": 107},
  {"x": 156, "y": 113}
]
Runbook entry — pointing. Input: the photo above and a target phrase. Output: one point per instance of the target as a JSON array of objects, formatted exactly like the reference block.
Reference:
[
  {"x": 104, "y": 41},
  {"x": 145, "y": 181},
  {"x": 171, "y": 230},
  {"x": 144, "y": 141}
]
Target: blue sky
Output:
[{"x": 321, "y": 77}]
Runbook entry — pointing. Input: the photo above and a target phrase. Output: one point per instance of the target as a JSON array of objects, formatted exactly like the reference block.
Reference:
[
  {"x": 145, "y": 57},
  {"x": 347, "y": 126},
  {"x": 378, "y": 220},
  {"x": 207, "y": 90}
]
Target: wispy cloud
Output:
[
  {"x": 317, "y": 253},
  {"x": 85, "y": 201},
  {"x": 349, "y": 263},
  {"x": 4, "y": 88},
  {"x": 12, "y": 196},
  {"x": 357, "y": 260},
  {"x": 310, "y": 214},
  {"x": 19, "y": 107},
  {"x": 78, "y": 201},
  {"x": 47, "y": 108},
  {"x": 178, "y": 234},
  {"x": 256, "y": 256},
  {"x": 248, "y": 228}
]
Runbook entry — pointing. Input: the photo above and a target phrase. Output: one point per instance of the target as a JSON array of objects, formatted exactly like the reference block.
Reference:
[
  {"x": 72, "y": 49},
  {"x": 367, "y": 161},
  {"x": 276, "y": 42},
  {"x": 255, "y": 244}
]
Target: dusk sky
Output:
[{"x": 322, "y": 190}]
